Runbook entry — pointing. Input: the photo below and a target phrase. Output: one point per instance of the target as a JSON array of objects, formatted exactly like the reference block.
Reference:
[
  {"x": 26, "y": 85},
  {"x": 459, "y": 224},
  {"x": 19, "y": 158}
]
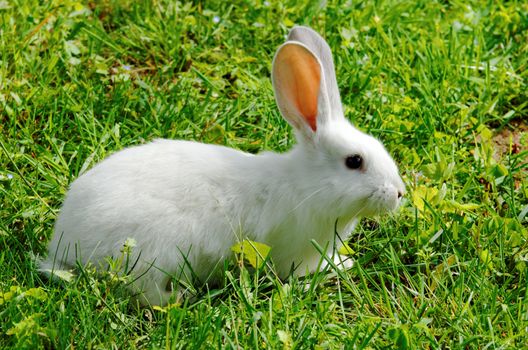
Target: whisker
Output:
[{"x": 305, "y": 199}]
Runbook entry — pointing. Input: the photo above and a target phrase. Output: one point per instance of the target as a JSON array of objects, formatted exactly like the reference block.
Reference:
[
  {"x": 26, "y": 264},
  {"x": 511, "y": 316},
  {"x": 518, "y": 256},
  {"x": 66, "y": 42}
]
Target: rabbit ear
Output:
[
  {"x": 297, "y": 79},
  {"x": 316, "y": 44}
]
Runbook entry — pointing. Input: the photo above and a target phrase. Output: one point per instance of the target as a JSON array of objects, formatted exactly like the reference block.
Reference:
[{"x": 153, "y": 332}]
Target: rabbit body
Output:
[{"x": 186, "y": 203}]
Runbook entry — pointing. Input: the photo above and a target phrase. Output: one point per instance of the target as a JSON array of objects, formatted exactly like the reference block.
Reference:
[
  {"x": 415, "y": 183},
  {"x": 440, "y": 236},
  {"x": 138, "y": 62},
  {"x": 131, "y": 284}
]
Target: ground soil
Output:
[{"x": 513, "y": 138}]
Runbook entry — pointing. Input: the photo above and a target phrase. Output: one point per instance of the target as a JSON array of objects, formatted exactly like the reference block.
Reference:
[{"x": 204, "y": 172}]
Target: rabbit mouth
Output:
[
  {"x": 379, "y": 201},
  {"x": 383, "y": 200}
]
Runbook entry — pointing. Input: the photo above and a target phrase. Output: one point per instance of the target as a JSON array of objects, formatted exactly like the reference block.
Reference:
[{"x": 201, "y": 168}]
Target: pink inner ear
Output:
[{"x": 301, "y": 75}]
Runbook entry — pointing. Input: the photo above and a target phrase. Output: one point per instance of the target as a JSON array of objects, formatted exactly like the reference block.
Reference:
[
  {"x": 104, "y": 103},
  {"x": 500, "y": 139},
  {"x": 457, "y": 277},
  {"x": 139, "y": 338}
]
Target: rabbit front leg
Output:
[{"x": 342, "y": 261}]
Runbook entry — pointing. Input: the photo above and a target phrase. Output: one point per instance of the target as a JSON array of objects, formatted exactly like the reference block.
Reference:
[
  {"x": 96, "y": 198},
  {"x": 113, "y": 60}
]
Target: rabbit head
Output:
[{"x": 354, "y": 168}]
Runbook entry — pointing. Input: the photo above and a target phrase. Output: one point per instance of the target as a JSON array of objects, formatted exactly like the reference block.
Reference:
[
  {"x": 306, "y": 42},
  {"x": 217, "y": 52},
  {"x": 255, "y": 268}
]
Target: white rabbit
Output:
[{"x": 186, "y": 203}]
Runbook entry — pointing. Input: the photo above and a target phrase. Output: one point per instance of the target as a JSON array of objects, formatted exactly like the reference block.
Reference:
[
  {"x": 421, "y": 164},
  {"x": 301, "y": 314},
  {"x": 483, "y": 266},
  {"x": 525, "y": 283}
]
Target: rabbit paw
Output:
[{"x": 343, "y": 262}]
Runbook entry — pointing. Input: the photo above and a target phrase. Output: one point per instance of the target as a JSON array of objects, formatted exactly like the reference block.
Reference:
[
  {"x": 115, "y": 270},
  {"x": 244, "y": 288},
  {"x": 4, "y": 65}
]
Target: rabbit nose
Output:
[{"x": 400, "y": 194}]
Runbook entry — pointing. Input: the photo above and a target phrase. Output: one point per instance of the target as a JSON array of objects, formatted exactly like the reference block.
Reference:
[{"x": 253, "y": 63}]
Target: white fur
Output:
[{"x": 186, "y": 200}]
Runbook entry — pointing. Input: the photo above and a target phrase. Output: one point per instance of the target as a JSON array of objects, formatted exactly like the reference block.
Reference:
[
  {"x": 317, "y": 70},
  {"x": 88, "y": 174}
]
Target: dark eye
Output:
[{"x": 354, "y": 162}]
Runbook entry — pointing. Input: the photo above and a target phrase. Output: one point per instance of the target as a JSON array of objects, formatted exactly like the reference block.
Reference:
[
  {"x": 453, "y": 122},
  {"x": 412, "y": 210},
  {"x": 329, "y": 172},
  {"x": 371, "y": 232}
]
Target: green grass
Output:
[{"x": 435, "y": 80}]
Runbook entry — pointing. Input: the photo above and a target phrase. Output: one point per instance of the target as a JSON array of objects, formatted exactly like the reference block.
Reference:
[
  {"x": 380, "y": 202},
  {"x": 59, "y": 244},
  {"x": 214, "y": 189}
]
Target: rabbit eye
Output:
[{"x": 354, "y": 162}]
